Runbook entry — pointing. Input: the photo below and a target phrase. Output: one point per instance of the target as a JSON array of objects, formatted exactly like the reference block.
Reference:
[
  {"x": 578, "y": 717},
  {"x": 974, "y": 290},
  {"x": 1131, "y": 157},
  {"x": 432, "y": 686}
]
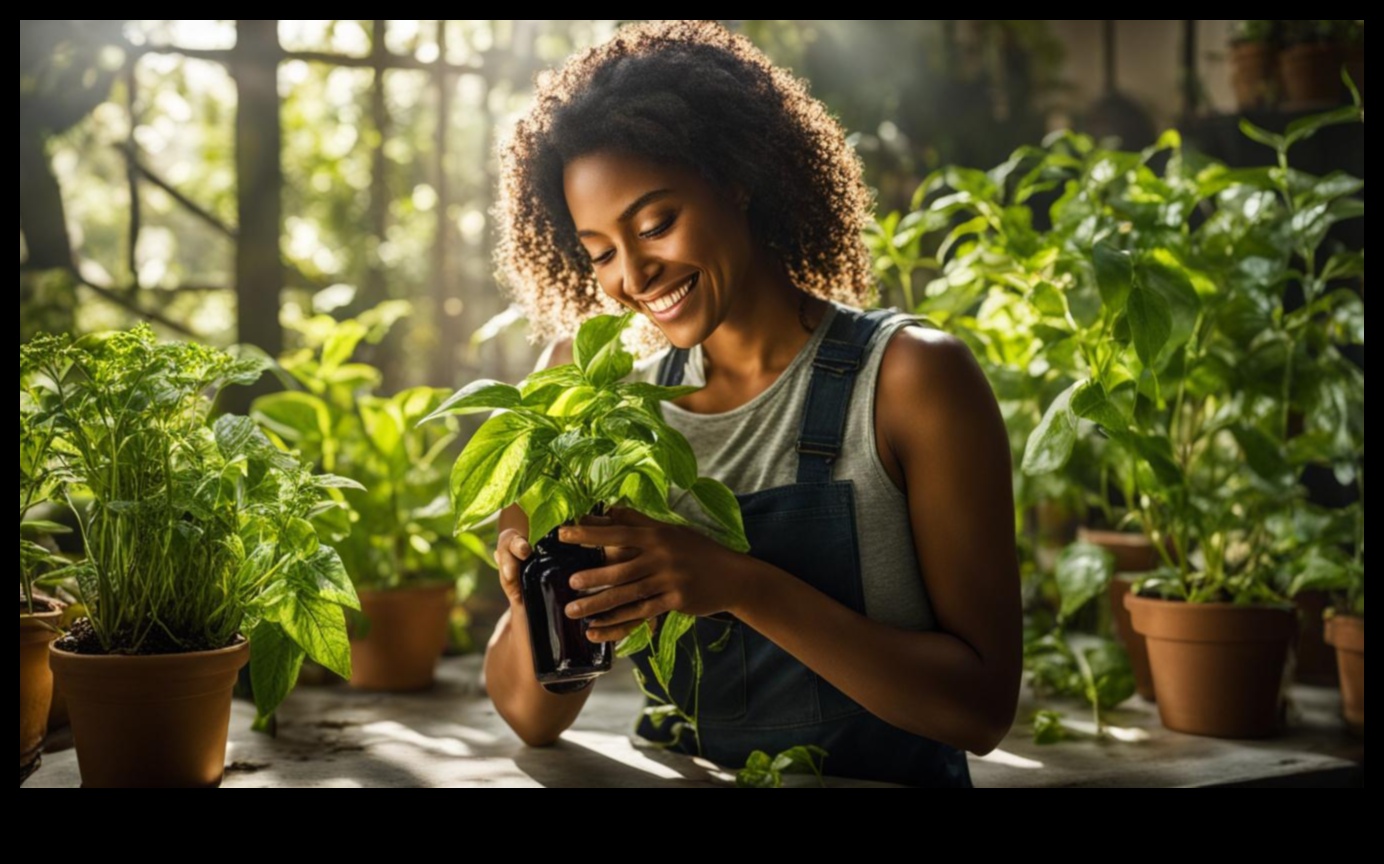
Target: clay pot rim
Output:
[
  {"x": 1257, "y": 607},
  {"x": 43, "y": 617},
  {"x": 241, "y": 646},
  {"x": 1352, "y": 640}
]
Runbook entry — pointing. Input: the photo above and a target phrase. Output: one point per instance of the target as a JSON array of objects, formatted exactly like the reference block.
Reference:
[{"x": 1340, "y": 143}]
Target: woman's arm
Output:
[
  {"x": 941, "y": 433},
  {"x": 536, "y": 716}
]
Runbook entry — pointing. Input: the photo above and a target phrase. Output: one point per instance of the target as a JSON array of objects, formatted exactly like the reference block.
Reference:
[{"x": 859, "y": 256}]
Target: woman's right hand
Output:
[{"x": 511, "y": 551}]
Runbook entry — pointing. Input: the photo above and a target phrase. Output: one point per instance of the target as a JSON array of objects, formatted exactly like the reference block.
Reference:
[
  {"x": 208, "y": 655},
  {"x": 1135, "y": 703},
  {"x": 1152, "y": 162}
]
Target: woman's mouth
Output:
[{"x": 670, "y": 305}]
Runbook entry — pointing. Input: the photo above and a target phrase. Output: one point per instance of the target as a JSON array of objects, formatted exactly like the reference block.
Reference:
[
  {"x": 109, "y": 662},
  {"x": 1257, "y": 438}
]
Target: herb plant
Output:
[
  {"x": 396, "y": 530},
  {"x": 1152, "y": 295},
  {"x": 196, "y": 531},
  {"x": 37, "y": 484},
  {"x": 577, "y": 438}
]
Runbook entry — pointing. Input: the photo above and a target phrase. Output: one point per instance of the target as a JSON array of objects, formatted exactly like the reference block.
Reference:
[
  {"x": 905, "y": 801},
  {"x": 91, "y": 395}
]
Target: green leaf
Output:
[
  {"x": 1262, "y": 136},
  {"x": 317, "y": 626},
  {"x": 539, "y": 384},
  {"x": 342, "y": 343},
  {"x": 1048, "y": 300},
  {"x": 298, "y": 418},
  {"x": 1320, "y": 573},
  {"x": 1051, "y": 444},
  {"x": 758, "y": 773},
  {"x": 675, "y": 625},
  {"x": 275, "y": 661},
  {"x": 478, "y": 397},
  {"x": 1090, "y": 402},
  {"x": 1048, "y": 728},
  {"x": 333, "y": 481},
  {"x": 41, "y": 528},
  {"x": 594, "y": 336},
  {"x": 1083, "y": 571},
  {"x": 547, "y": 505},
  {"x": 610, "y": 365},
  {"x": 486, "y": 475},
  {"x": 239, "y": 436},
  {"x": 301, "y": 537},
  {"x": 635, "y": 642},
  {"x": 573, "y": 401},
  {"x": 323, "y": 575},
  {"x": 1157, "y": 452},
  {"x": 1114, "y": 275},
  {"x": 1150, "y": 322},
  {"x": 1305, "y": 127},
  {"x": 1264, "y": 455},
  {"x": 720, "y": 504},
  {"x": 1112, "y": 677},
  {"x": 675, "y": 454}
]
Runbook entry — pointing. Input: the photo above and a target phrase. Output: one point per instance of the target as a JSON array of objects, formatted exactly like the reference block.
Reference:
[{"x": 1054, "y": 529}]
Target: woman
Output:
[{"x": 675, "y": 172}]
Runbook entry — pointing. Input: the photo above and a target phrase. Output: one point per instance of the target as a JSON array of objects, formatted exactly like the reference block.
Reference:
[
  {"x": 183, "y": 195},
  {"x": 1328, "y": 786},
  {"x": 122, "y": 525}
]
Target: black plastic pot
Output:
[{"x": 564, "y": 660}]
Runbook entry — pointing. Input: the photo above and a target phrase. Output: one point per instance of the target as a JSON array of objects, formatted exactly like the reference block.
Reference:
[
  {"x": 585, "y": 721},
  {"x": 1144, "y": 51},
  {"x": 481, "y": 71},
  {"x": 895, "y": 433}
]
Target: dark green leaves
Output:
[
  {"x": 762, "y": 771},
  {"x": 720, "y": 504},
  {"x": 486, "y": 475},
  {"x": 1051, "y": 444},
  {"x": 1150, "y": 322},
  {"x": 275, "y": 661},
  {"x": 1083, "y": 571},
  {"x": 1114, "y": 275}
]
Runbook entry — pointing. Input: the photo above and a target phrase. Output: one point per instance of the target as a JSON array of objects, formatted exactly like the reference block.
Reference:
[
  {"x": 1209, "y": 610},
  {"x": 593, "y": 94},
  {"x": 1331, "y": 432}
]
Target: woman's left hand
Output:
[{"x": 652, "y": 568}]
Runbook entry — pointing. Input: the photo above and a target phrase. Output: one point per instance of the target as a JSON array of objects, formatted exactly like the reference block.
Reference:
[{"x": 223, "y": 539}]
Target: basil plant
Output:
[{"x": 197, "y": 531}]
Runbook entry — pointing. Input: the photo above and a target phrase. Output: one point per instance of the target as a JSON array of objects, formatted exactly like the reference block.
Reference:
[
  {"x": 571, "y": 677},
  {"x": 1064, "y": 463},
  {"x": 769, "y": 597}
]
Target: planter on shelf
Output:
[
  {"x": 1311, "y": 73},
  {"x": 404, "y": 635},
  {"x": 1134, "y": 555},
  {"x": 1217, "y": 667},
  {"x": 1254, "y": 74},
  {"x": 1347, "y": 634},
  {"x": 36, "y": 634},
  {"x": 155, "y": 721}
]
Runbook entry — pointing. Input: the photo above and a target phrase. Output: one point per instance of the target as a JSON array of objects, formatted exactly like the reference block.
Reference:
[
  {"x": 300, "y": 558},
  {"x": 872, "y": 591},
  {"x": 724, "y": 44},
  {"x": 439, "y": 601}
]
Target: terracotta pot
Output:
[
  {"x": 1254, "y": 74},
  {"x": 36, "y": 634},
  {"x": 406, "y": 635},
  {"x": 1311, "y": 75},
  {"x": 1316, "y": 661},
  {"x": 1217, "y": 667},
  {"x": 1347, "y": 633},
  {"x": 150, "y": 722},
  {"x": 1136, "y": 646}
]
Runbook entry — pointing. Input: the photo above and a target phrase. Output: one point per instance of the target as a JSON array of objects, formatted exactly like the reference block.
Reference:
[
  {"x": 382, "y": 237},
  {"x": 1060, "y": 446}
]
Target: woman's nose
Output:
[{"x": 640, "y": 272}]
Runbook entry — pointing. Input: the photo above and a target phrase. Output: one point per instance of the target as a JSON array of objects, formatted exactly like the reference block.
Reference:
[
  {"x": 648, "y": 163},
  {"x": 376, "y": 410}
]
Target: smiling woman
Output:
[{"x": 676, "y": 173}]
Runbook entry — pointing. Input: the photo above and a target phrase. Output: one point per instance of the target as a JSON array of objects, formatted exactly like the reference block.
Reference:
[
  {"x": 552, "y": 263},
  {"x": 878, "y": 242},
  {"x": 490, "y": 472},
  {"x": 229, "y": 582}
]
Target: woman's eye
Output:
[
  {"x": 659, "y": 229},
  {"x": 603, "y": 257}
]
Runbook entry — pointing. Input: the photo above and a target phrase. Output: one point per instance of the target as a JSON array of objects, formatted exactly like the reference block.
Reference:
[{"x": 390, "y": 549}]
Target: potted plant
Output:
[
  {"x": 1158, "y": 296},
  {"x": 1254, "y": 64},
  {"x": 571, "y": 441},
  {"x": 39, "y": 617},
  {"x": 395, "y": 535},
  {"x": 200, "y": 555},
  {"x": 1311, "y": 59}
]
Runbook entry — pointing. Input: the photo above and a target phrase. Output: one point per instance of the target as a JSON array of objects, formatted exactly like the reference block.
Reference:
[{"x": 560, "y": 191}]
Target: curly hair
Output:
[{"x": 693, "y": 94}]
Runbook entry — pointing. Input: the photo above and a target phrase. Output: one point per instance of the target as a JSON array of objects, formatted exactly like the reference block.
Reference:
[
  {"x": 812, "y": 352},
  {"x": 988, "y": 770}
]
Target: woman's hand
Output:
[
  {"x": 511, "y": 551},
  {"x": 651, "y": 568}
]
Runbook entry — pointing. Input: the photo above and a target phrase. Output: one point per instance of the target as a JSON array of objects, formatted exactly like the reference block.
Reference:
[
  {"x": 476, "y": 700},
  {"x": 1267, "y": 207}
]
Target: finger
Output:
[
  {"x": 608, "y": 576},
  {"x": 594, "y": 520},
  {"x": 620, "y": 554},
  {"x": 614, "y": 535},
  {"x": 612, "y": 633},
  {"x": 643, "y": 610},
  {"x": 629, "y": 516},
  {"x": 519, "y": 546},
  {"x": 509, "y": 577},
  {"x": 613, "y": 598}
]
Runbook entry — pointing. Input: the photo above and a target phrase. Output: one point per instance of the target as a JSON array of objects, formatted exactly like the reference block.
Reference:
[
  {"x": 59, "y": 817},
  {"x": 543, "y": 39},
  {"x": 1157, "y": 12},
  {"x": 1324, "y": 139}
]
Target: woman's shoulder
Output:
[{"x": 930, "y": 379}]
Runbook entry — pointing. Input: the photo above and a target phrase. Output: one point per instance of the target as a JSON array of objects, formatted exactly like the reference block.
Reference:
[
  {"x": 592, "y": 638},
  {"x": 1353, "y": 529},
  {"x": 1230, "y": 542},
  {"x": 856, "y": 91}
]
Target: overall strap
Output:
[
  {"x": 834, "y": 369},
  {"x": 671, "y": 370}
]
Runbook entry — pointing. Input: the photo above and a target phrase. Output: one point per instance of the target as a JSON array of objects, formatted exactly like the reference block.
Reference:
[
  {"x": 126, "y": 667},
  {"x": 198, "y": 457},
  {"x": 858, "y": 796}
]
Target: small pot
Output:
[
  {"x": 1347, "y": 633},
  {"x": 564, "y": 660},
  {"x": 1217, "y": 667},
  {"x": 1134, "y": 553},
  {"x": 1311, "y": 75},
  {"x": 406, "y": 634},
  {"x": 36, "y": 634},
  {"x": 156, "y": 721},
  {"x": 1254, "y": 74}
]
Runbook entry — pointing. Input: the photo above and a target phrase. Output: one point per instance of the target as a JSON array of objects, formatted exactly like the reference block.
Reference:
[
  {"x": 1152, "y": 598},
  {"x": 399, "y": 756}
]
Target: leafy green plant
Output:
[
  {"x": 37, "y": 483},
  {"x": 197, "y": 532},
  {"x": 1091, "y": 668},
  {"x": 763, "y": 771},
  {"x": 1157, "y": 286},
  {"x": 396, "y": 528},
  {"x": 575, "y": 439}
]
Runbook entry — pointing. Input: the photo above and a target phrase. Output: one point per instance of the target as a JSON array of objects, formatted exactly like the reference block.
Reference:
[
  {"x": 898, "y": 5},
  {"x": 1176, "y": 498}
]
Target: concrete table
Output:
[{"x": 451, "y": 736}]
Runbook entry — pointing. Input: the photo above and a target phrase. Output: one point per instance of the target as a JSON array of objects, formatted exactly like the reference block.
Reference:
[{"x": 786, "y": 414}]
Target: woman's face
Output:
[{"x": 662, "y": 240}]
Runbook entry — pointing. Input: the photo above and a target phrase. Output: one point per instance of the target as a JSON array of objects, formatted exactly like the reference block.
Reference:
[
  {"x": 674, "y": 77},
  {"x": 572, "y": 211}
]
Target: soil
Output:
[
  {"x": 40, "y": 606},
  {"x": 82, "y": 639}
]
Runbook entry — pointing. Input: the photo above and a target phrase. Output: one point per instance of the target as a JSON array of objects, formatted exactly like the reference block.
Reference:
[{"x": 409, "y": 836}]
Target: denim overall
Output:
[{"x": 754, "y": 695}]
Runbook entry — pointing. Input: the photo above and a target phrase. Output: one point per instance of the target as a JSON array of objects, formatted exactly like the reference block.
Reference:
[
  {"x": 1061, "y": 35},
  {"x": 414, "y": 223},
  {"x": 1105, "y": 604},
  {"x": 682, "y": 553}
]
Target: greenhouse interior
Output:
[{"x": 691, "y": 403}]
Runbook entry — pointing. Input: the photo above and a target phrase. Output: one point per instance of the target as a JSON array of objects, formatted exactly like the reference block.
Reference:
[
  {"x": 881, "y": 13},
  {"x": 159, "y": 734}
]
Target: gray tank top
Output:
[{"x": 754, "y": 447}]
